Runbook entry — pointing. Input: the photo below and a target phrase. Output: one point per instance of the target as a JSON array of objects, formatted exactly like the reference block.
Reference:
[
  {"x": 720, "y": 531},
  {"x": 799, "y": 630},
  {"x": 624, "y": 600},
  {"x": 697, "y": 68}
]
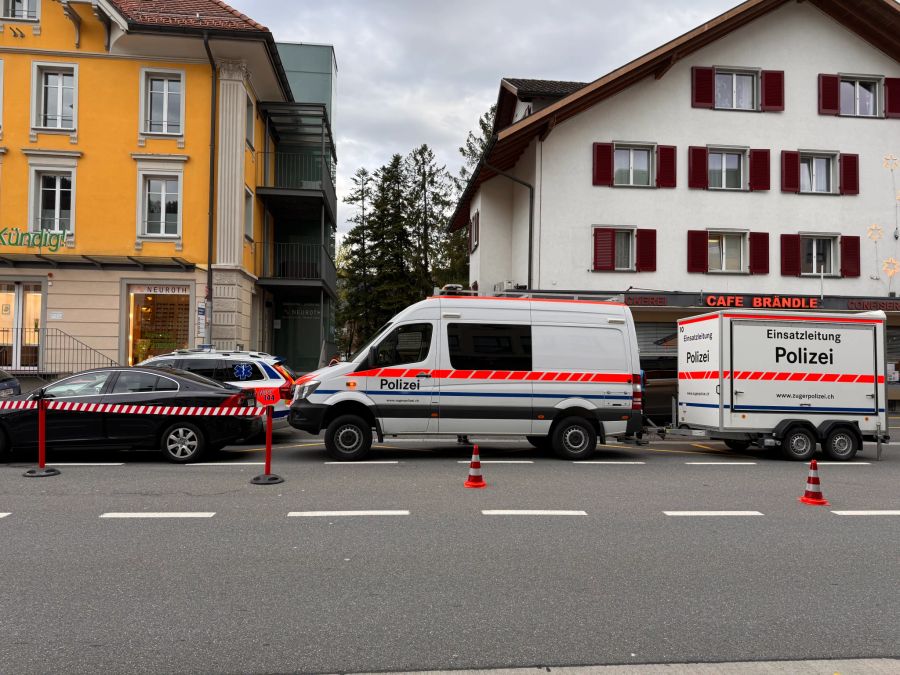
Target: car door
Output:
[
  {"x": 401, "y": 378},
  {"x": 70, "y": 427},
  {"x": 137, "y": 387}
]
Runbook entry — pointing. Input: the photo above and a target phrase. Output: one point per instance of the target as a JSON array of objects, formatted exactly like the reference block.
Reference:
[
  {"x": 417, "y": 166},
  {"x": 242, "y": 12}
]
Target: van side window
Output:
[
  {"x": 404, "y": 344},
  {"x": 488, "y": 346},
  {"x": 586, "y": 348}
]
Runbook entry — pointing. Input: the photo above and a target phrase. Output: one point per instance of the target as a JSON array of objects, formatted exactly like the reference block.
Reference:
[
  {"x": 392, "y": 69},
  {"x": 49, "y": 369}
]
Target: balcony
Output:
[{"x": 292, "y": 264}]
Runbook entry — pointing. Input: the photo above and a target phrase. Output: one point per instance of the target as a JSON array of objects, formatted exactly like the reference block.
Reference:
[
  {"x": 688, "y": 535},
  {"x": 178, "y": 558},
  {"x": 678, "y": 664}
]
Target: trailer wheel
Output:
[
  {"x": 736, "y": 445},
  {"x": 841, "y": 445},
  {"x": 574, "y": 438},
  {"x": 798, "y": 444}
]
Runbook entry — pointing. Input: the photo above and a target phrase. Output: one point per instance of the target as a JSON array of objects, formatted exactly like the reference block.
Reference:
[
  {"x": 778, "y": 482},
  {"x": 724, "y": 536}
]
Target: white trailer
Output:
[{"x": 784, "y": 379}]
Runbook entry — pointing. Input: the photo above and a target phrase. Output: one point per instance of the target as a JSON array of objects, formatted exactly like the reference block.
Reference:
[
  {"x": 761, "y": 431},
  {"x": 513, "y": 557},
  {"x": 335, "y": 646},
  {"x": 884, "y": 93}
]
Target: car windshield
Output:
[{"x": 369, "y": 342}]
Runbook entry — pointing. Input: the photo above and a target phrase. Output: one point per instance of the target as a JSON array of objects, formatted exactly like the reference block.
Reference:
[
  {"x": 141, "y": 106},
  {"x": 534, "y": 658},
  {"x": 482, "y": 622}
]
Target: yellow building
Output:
[{"x": 142, "y": 146}]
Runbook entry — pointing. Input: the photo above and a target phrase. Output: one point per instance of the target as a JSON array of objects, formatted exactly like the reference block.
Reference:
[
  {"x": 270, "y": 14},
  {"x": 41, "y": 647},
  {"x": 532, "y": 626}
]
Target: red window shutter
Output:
[
  {"x": 790, "y": 255},
  {"x": 772, "y": 88},
  {"x": 849, "y": 174},
  {"x": 645, "y": 250},
  {"x": 892, "y": 97},
  {"x": 698, "y": 168},
  {"x": 698, "y": 245},
  {"x": 849, "y": 256},
  {"x": 702, "y": 89},
  {"x": 829, "y": 94},
  {"x": 759, "y": 253},
  {"x": 603, "y": 164},
  {"x": 759, "y": 170},
  {"x": 790, "y": 171},
  {"x": 604, "y": 249},
  {"x": 665, "y": 166}
]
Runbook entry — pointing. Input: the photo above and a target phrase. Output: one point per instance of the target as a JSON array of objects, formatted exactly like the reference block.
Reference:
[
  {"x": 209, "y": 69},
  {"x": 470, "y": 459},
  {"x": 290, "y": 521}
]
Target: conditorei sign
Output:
[{"x": 52, "y": 241}]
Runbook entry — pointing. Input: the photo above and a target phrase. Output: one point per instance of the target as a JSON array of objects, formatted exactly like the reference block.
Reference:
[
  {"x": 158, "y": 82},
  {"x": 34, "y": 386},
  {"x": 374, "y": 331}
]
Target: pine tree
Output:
[
  {"x": 429, "y": 197},
  {"x": 473, "y": 148},
  {"x": 355, "y": 268}
]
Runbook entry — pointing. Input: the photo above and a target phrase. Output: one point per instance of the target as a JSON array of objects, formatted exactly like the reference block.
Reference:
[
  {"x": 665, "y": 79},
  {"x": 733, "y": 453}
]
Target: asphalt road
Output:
[{"x": 611, "y": 579}]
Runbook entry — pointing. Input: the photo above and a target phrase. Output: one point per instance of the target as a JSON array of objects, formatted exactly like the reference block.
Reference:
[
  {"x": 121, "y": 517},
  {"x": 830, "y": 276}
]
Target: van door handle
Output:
[
  {"x": 427, "y": 375},
  {"x": 870, "y": 395},
  {"x": 738, "y": 392}
]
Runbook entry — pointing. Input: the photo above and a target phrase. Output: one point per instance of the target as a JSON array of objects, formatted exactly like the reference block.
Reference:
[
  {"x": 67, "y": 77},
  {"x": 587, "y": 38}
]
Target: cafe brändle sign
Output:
[{"x": 761, "y": 301}]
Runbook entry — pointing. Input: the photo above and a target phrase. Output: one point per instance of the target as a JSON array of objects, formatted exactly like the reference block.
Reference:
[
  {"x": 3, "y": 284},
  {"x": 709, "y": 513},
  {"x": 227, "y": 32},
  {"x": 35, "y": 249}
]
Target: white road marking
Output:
[
  {"x": 88, "y": 463},
  {"x": 161, "y": 514},
  {"x": 499, "y": 461},
  {"x": 599, "y": 461},
  {"x": 866, "y": 513},
  {"x": 844, "y": 463},
  {"x": 722, "y": 463},
  {"x": 712, "y": 513},
  {"x": 531, "y": 512},
  {"x": 372, "y": 461},
  {"x": 229, "y": 464},
  {"x": 3, "y": 515},
  {"x": 329, "y": 514}
]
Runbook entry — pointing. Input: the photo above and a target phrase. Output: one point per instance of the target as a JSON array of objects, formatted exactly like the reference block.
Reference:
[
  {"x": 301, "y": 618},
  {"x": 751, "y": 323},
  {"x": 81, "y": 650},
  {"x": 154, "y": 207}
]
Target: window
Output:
[
  {"x": 817, "y": 255},
  {"x": 859, "y": 98},
  {"x": 726, "y": 170},
  {"x": 1, "y": 97},
  {"x": 165, "y": 384},
  {"x": 162, "y": 206},
  {"x": 163, "y": 109},
  {"x": 632, "y": 166},
  {"x": 135, "y": 382},
  {"x": 251, "y": 119},
  {"x": 589, "y": 348},
  {"x": 19, "y": 9},
  {"x": 623, "y": 254},
  {"x": 725, "y": 252},
  {"x": 816, "y": 173},
  {"x": 55, "y": 97},
  {"x": 248, "y": 214},
  {"x": 54, "y": 202},
  {"x": 482, "y": 346},
  {"x": 241, "y": 371},
  {"x": 735, "y": 90},
  {"x": 214, "y": 369},
  {"x": 404, "y": 345},
  {"x": 85, "y": 384}
]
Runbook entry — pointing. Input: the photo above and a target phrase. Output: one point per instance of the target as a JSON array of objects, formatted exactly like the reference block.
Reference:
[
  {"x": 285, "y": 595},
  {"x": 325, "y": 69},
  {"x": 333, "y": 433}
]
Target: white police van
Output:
[{"x": 561, "y": 372}]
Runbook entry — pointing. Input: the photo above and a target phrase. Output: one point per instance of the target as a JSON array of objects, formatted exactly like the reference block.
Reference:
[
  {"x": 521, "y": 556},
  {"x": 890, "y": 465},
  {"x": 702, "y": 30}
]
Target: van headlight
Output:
[{"x": 305, "y": 390}]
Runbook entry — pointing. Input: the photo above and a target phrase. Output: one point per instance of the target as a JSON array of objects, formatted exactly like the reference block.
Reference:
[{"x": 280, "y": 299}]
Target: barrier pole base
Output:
[
  {"x": 267, "y": 479},
  {"x": 41, "y": 473}
]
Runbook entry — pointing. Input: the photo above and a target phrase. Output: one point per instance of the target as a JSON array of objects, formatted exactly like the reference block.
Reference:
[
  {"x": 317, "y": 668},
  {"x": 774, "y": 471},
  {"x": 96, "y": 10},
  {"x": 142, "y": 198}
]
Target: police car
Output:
[{"x": 247, "y": 370}]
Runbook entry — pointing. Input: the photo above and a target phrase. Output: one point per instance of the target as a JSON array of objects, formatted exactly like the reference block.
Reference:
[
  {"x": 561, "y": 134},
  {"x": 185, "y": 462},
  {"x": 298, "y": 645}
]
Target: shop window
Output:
[
  {"x": 163, "y": 103},
  {"x": 817, "y": 255},
  {"x": 482, "y": 346},
  {"x": 55, "y": 98},
  {"x": 404, "y": 345},
  {"x": 23, "y": 10},
  {"x": 162, "y": 206},
  {"x": 159, "y": 320},
  {"x": 55, "y": 197}
]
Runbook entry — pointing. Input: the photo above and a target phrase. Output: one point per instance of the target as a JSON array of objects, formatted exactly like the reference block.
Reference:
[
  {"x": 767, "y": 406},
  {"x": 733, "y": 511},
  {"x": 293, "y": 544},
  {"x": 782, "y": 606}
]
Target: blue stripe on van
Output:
[
  {"x": 702, "y": 405},
  {"x": 792, "y": 408},
  {"x": 378, "y": 392}
]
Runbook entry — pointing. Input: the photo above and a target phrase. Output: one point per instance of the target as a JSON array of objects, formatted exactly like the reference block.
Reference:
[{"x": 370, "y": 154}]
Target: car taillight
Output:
[
  {"x": 244, "y": 399},
  {"x": 637, "y": 393},
  {"x": 285, "y": 391}
]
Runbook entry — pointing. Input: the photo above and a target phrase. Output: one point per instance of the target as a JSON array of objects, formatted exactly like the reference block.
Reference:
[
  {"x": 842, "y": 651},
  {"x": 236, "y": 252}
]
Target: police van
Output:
[{"x": 562, "y": 372}]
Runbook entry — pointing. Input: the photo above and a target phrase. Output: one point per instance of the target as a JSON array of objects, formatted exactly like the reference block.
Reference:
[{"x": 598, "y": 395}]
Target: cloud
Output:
[{"x": 412, "y": 72}]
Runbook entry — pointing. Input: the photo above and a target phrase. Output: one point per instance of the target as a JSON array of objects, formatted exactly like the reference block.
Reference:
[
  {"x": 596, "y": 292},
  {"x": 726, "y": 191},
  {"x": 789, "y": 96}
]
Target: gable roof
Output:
[
  {"x": 527, "y": 88},
  {"x": 200, "y": 14},
  {"x": 876, "y": 21}
]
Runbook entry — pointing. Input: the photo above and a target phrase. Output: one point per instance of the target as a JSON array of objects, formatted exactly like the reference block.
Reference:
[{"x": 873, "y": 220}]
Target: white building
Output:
[{"x": 739, "y": 163}]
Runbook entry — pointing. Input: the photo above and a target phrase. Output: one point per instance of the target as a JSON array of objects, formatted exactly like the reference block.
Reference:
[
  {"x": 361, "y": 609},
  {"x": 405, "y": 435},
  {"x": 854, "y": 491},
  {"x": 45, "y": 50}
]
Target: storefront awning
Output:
[{"x": 107, "y": 262}]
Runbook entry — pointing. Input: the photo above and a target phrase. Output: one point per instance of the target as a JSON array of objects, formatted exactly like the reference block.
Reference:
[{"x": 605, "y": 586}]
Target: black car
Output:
[
  {"x": 9, "y": 385},
  {"x": 180, "y": 438}
]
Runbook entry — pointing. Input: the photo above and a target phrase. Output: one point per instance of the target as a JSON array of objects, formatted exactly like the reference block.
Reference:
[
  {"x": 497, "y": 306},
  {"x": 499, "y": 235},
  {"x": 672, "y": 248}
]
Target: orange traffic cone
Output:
[
  {"x": 475, "y": 480},
  {"x": 813, "y": 494}
]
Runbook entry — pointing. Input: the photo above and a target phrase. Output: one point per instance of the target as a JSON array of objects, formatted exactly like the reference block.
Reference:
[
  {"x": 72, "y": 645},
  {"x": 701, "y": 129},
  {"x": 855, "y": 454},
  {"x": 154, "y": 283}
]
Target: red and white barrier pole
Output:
[
  {"x": 42, "y": 471},
  {"x": 268, "y": 478}
]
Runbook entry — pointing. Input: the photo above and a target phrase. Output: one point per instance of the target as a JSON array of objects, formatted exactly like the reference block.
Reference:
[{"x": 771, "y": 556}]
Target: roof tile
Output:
[{"x": 200, "y": 14}]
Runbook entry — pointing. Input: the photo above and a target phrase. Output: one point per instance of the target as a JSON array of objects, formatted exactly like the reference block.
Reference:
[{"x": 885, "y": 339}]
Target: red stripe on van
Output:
[
  {"x": 696, "y": 319},
  {"x": 776, "y": 317}
]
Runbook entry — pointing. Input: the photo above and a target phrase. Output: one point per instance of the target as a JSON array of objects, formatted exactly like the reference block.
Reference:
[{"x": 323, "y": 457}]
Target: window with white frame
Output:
[
  {"x": 54, "y": 195},
  {"x": 251, "y": 119},
  {"x": 55, "y": 97},
  {"x": 1, "y": 97},
  {"x": 624, "y": 255},
  {"x": 19, "y": 9},
  {"x": 817, "y": 254},
  {"x": 161, "y": 206},
  {"x": 248, "y": 214},
  {"x": 163, "y": 103},
  {"x": 726, "y": 169},
  {"x": 817, "y": 173},
  {"x": 633, "y": 165},
  {"x": 859, "y": 96},
  {"x": 725, "y": 251},
  {"x": 736, "y": 90}
]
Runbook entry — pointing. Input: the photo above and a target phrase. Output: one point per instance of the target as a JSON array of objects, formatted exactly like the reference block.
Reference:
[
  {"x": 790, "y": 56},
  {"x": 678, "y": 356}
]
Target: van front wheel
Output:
[
  {"x": 574, "y": 438},
  {"x": 348, "y": 438}
]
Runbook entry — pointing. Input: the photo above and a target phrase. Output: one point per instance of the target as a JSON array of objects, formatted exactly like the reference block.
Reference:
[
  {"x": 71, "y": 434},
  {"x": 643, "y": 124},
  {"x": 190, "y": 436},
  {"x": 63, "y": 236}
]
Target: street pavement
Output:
[{"x": 391, "y": 565}]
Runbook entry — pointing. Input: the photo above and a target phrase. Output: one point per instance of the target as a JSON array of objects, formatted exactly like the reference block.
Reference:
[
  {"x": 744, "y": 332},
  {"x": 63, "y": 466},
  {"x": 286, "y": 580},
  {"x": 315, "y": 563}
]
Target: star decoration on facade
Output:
[
  {"x": 891, "y": 162},
  {"x": 890, "y": 267},
  {"x": 875, "y": 232}
]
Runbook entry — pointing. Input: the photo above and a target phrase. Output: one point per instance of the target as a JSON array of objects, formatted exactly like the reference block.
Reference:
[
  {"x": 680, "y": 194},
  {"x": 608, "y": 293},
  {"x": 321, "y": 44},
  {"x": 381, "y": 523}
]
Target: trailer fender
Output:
[
  {"x": 784, "y": 425},
  {"x": 828, "y": 426}
]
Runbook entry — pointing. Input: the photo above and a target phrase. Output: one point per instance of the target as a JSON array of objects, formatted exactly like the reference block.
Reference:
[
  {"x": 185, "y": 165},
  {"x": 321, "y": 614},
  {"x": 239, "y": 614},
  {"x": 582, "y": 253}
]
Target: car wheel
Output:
[
  {"x": 182, "y": 443},
  {"x": 574, "y": 438},
  {"x": 841, "y": 445},
  {"x": 348, "y": 438},
  {"x": 539, "y": 442},
  {"x": 798, "y": 444},
  {"x": 736, "y": 445}
]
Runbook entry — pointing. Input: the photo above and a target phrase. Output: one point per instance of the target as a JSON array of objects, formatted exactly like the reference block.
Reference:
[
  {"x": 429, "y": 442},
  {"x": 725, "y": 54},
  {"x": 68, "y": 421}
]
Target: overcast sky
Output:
[{"x": 413, "y": 72}]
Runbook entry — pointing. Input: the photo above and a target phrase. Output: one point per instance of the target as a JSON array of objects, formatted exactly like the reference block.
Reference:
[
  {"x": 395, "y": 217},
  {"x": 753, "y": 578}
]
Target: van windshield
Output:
[{"x": 369, "y": 342}]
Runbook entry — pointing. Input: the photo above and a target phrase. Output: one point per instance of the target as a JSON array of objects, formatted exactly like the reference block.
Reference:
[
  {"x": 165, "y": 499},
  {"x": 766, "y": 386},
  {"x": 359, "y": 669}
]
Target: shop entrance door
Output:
[{"x": 20, "y": 326}]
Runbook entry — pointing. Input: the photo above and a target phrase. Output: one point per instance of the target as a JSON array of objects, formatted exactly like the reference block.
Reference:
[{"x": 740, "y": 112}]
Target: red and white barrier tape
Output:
[
  {"x": 136, "y": 409},
  {"x": 18, "y": 405}
]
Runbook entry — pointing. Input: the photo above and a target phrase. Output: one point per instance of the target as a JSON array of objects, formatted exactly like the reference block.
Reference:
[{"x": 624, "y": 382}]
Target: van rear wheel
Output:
[
  {"x": 574, "y": 438},
  {"x": 798, "y": 444},
  {"x": 841, "y": 445},
  {"x": 348, "y": 438}
]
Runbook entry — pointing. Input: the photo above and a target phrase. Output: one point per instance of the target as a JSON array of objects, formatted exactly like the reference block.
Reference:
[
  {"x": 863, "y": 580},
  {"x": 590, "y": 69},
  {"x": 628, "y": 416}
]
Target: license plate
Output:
[{"x": 5, "y": 392}]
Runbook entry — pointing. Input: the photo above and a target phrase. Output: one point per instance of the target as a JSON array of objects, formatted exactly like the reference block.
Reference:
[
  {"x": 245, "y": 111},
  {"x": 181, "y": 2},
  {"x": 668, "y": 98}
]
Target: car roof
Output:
[
  {"x": 214, "y": 353},
  {"x": 165, "y": 372}
]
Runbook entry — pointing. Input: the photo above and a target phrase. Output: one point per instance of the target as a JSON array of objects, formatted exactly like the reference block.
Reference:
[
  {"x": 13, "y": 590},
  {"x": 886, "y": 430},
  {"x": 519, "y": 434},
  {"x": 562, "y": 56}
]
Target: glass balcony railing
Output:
[{"x": 296, "y": 171}]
